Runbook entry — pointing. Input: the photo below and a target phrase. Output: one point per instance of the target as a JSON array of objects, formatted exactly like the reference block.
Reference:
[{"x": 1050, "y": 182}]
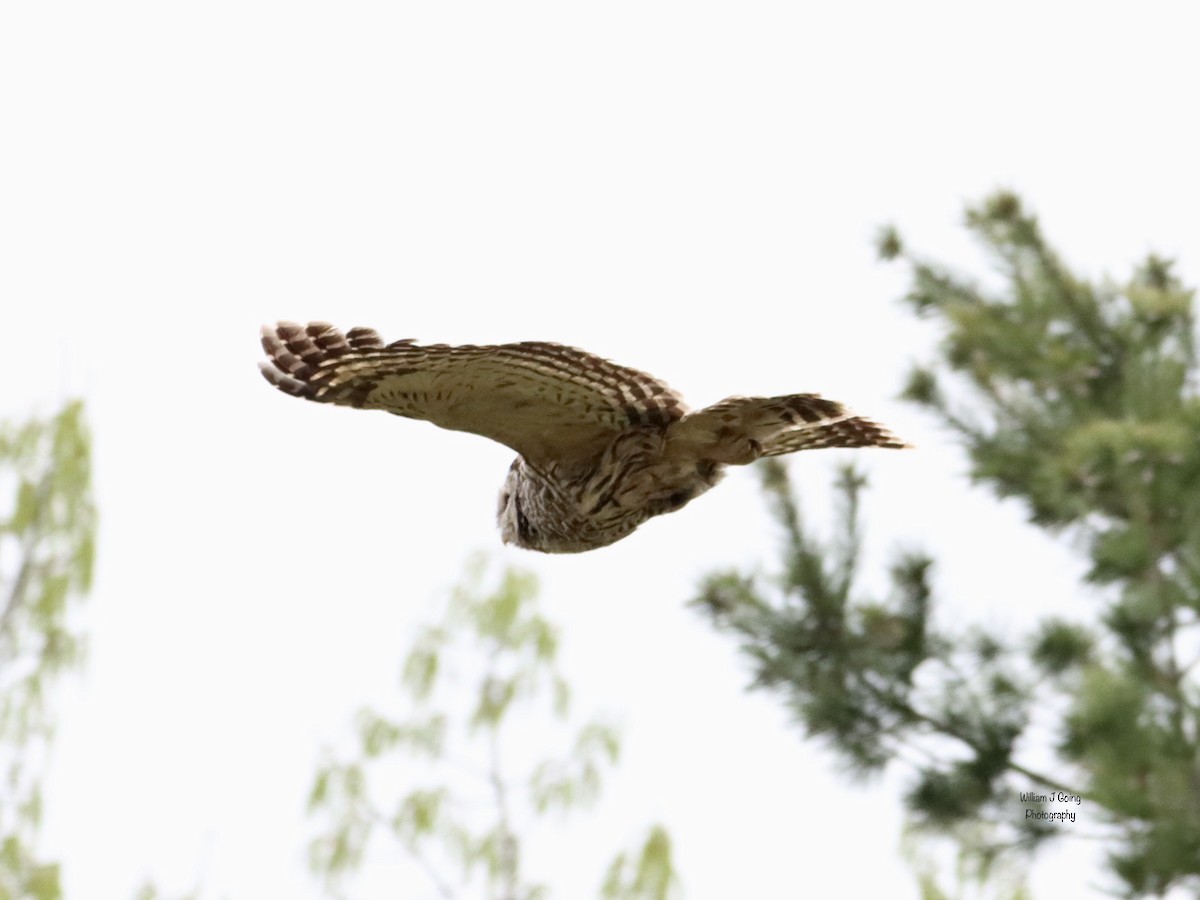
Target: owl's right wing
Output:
[
  {"x": 739, "y": 430},
  {"x": 546, "y": 401}
]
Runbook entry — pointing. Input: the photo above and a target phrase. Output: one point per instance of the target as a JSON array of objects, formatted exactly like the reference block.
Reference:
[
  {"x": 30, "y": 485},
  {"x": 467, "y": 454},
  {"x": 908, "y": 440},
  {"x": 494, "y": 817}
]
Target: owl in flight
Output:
[{"x": 601, "y": 448}]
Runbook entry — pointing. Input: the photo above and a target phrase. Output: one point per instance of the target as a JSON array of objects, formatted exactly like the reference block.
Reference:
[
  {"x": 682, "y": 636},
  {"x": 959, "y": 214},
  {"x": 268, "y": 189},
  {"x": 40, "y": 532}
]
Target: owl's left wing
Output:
[{"x": 546, "y": 401}]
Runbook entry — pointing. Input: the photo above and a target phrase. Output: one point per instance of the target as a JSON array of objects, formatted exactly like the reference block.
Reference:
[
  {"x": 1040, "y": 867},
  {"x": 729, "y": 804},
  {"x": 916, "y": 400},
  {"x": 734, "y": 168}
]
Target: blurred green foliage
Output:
[
  {"x": 47, "y": 550},
  {"x": 435, "y": 777},
  {"x": 1079, "y": 400}
]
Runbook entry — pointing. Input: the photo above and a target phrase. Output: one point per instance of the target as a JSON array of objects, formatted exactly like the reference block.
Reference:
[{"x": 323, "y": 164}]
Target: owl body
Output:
[
  {"x": 601, "y": 447},
  {"x": 558, "y": 508}
]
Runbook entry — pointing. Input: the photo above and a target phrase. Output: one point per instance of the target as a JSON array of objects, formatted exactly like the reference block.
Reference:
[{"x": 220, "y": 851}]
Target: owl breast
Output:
[{"x": 560, "y": 508}]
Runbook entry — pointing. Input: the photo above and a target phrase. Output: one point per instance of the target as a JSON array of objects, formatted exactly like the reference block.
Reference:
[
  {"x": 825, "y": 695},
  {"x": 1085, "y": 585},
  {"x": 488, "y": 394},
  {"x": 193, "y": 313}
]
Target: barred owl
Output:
[{"x": 601, "y": 447}]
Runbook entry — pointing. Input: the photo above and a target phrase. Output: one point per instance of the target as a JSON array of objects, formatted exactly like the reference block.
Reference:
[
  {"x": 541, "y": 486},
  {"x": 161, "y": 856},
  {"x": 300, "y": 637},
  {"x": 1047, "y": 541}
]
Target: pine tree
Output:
[{"x": 1080, "y": 400}]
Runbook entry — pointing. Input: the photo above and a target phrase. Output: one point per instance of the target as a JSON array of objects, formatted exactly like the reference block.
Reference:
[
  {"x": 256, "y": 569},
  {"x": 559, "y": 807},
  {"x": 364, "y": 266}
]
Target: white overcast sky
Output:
[{"x": 691, "y": 188}]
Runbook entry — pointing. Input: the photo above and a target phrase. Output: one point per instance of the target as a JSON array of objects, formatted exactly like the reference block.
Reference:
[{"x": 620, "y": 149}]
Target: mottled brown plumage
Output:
[{"x": 601, "y": 447}]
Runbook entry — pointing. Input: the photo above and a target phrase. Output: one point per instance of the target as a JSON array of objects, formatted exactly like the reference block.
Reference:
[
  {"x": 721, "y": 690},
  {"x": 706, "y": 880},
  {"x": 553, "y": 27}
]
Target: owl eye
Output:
[{"x": 678, "y": 499}]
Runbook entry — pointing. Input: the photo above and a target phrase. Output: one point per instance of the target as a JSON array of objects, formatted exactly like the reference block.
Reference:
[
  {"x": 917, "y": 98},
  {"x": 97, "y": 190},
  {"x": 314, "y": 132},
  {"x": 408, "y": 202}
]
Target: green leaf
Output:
[
  {"x": 495, "y": 696},
  {"x": 598, "y": 739},
  {"x": 562, "y": 697},
  {"x": 419, "y": 815},
  {"x": 26, "y": 507},
  {"x": 319, "y": 792},
  {"x": 647, "y": 875},
  {"x": 423, "y": 663},
  {"x": 43, "y": 882},
  {"x": 376, "y": 733}
]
